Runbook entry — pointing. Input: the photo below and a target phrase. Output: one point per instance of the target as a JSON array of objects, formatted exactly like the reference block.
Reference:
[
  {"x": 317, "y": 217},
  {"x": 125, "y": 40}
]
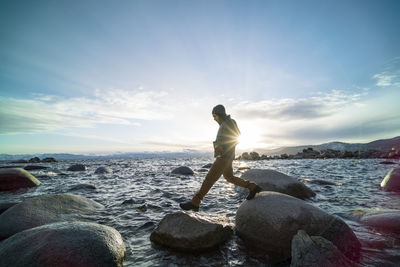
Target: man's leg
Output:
[
  {"x": 212, "y": 176},
  {"x": 253, "y": 187}
]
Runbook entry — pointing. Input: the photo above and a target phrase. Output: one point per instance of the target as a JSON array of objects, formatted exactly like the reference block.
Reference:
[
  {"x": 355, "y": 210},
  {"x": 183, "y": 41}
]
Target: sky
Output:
[{"x": 132, "y": 76}]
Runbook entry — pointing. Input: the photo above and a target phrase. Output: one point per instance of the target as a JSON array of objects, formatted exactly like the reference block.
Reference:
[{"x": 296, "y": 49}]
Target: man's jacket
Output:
[{"x": 227, "y": 138}]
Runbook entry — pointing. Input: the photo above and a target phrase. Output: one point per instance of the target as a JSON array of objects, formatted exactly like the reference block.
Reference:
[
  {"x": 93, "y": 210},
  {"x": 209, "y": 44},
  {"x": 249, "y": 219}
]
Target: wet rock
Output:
[
  {"x": 49, "y": 160},
  {"x": 203, "y": 170},
  {"x": 64, "y": 244},
  {"x": 321, "y": 182},
  {"x": 6, "y": 206},
  {"x": 16, "y": 178},
  {"x": 103, "y": 170},
  {"x": 84, "y": 187},
  {"x": 45, "y": 209},
  {"x": 142, "y": 208},
  {"x": 271, "y": 180},
  {"x": 270, "y": 220},
  {"x": 77, "y": 168},
  {"x": 207, "y": 166},
  {"x": 183, "y": 170},
  {"x": 11, "y": 166},
  {"x": 20, "y": 161},
  {"x": 190, "y": 232},
  {"x": 34, "y": 167},
  {"x": 386, "y": 221},
  {"x": 316, "y": 251},
  {"x": 387, "y": 162},
  {"x": 392, "y": 180},
  {"x": 34, "y": 160}
]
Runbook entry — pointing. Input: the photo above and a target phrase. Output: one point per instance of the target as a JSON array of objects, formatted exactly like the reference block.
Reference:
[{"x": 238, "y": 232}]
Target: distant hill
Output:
[{"x": 381, "y": 145}]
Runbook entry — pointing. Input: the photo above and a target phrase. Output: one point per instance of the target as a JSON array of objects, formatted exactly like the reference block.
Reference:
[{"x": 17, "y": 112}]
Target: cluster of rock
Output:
[
  {"x": 310, "y": 153},
  {"x": 54, "y": 229},
  {"x": 277, "y": 222},
  {"x": 35, "y": 160}
]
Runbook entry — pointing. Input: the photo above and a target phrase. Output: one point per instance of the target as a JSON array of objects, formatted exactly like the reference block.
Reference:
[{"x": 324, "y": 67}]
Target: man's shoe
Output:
[
  {"x": 189, "y": 206},
  {"x": 253, "y": 192}
]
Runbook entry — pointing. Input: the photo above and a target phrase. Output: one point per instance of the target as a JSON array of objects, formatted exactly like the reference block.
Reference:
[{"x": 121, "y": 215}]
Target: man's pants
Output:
[{"x": 221, "y": 166}]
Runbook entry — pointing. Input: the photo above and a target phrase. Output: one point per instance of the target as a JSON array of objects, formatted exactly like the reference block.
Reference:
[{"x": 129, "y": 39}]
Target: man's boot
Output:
[
  {"x": 188, "y": 206},
  {"x": 253, "y": 192}
]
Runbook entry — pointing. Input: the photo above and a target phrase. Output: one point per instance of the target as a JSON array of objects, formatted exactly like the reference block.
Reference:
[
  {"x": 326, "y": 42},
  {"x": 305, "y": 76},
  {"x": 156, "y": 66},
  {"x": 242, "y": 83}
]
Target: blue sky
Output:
[{"x": 107, "y": 76}]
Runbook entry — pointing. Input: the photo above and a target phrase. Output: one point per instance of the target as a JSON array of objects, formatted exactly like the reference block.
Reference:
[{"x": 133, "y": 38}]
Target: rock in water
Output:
[
  {"x": 34, "y": 167},
  {"x": 84, "y": 187},
  {"x": 270, "y": 180},
  {"x": 207, "y": 166},
  {"x": 271, "y": 219},
  {"x": 16, "y": 178},
  {"x": 64, "y": 244},
  {"x": 392, "y": 180},
  {"x": 77, "y": 168},
  {"x": 316, "y": 251},
  {"x": 190, "y": 232},
  {"x": 49, "y": 160},
  {"x": 45, "y": 209},
  {"x": 386, "y": 221},
  {"x": 183, "y": 170},
  {"x": 103, "y": 170}
]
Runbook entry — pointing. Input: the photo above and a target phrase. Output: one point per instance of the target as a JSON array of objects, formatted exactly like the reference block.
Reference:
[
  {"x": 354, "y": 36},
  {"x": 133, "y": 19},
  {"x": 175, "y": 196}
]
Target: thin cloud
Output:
[{"x": 384, "y": 79}]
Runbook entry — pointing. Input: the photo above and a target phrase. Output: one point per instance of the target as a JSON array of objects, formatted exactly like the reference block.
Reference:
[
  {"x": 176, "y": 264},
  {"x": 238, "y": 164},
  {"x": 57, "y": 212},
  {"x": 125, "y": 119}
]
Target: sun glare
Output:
[{"x": 249, "y": 138}]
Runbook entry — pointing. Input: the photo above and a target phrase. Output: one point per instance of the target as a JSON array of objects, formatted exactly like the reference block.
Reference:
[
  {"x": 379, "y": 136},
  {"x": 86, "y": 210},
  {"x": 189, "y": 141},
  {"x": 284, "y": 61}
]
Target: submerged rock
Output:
[
  {"x": 386, "y": 162},
  {"x": 190, "y": 232},
  {"x": 45, "y": 209},
  {"x": 392, "y": 180},
  {"x": 49, "y": 160},
  {"x": 316, "y": 251},
  {"x": 271, "y": 180},
  {"x": 183, "y": 170},
  {"x": 34, "y": 167},
  {"x": 207, "y": 166},
  {"x": 271, "y": 219},
  {"x": 84, "y": 187},
  {"x": 386, "y": 221},
  {"x": 16, "y": 178},
  {"x": 64, "y": 244},
  {"x": 320, "y": 182},
  {"x": 77, "y": 168},
  {"x": 103, "y": 170}
]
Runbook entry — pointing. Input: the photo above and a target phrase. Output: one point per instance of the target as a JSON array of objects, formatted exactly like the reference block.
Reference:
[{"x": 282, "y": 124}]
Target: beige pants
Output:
[{"x": 221, "y": 166}]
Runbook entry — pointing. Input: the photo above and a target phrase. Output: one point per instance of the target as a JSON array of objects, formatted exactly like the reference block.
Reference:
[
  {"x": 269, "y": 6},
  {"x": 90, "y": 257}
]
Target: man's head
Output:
[{"x": 219, "y": 113}]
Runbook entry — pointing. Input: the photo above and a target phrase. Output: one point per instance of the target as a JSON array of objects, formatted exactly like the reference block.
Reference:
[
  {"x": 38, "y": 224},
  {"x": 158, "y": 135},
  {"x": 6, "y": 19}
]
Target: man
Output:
[{"x": 224, "y": 153}]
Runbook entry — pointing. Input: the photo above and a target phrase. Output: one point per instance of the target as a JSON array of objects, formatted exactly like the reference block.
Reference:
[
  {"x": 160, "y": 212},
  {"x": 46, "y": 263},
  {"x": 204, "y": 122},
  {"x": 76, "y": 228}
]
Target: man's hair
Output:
[{"x": 219, "y": 110}]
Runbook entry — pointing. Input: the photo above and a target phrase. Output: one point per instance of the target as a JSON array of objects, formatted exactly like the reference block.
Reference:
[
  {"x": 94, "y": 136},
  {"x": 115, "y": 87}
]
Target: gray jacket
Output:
[{"x": 227, "y": 136}]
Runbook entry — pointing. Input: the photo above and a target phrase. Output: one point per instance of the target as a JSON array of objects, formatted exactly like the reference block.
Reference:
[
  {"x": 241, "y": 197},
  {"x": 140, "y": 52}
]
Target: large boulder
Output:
[
  {"x": 392, "y": 180},
  {"x": 103, "y": 170},
  {"x": 271, "y": 180},
  {"x": 183, "y": 170},
  {"x": 77, "y": 168},
  {"x": 64, "y": 244},
  {"x": 5, "y": 206},
  {"x": 271, "y": 219},
  {"x": 190, "y": 232},
  {"x": 45, "y": 209},
  {"x": 16, "y": 178},
  {"x": 316, "y": 251},
  {"x": 385, "y": 221}
]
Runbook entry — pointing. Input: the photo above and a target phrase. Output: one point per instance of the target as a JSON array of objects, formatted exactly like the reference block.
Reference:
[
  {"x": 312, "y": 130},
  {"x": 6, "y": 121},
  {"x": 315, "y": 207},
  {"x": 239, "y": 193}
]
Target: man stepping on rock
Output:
[{"x": 224, "y": 153}]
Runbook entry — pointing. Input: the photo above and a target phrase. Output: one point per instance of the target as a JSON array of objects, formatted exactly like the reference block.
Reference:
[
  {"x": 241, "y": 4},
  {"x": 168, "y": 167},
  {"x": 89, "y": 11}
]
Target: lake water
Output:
[{"x": 140, "y": 192}]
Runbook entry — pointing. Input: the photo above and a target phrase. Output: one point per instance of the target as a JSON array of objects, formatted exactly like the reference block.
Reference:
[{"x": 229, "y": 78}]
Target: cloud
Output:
[
  {"x": 47, "y": 113},
  {"x": 384, "y": 79},
  {"x": 289, "y": 109}
]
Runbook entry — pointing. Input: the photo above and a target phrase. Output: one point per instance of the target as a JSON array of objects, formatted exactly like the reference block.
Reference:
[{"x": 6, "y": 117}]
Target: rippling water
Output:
[{"x": 140, "y": 192}]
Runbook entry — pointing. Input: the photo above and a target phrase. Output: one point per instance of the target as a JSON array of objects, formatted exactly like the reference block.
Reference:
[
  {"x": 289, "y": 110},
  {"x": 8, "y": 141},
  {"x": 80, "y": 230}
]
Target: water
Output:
[{"x": 141, "y": 192}]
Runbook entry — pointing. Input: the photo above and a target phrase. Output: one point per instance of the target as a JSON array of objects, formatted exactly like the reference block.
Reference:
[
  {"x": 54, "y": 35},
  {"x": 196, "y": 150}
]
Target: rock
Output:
[
  {"x": 316, "y": 251},
  {"x": 34, "y": 160},
  {"x": 392, "y": 180},
  {"x": 271, "y": 180},
  {"x": 202, "y": 170},
  {"x": 142, "y": 208},
  {"x": 320, "y": 182},
  {"x": 45, "y": 209},
  {"x": 183, "y": 170},
  {"x": 103, "y": 170},
  {"x": 243, "y": 168},
  {"x": 77, "y": 167},
  {"x": 16, "y": 178},
  {"x": 34, "y": 167},
  {"x": 190, "y": 232},
  {"x": 84, "y": 187},
  {"x": 6, "y": 206},
  {"x": 64, "y": 244},
  {"x": 386, "y": 221},
  {"x": 11, "y": 166},
  {"x": 49, "y": 160},
  {"x": 386, "y": 162},
  {"x": 207, "y": 166},
  {"x": 270, "y": 220},
  {"x": 20, "y": 161}
]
